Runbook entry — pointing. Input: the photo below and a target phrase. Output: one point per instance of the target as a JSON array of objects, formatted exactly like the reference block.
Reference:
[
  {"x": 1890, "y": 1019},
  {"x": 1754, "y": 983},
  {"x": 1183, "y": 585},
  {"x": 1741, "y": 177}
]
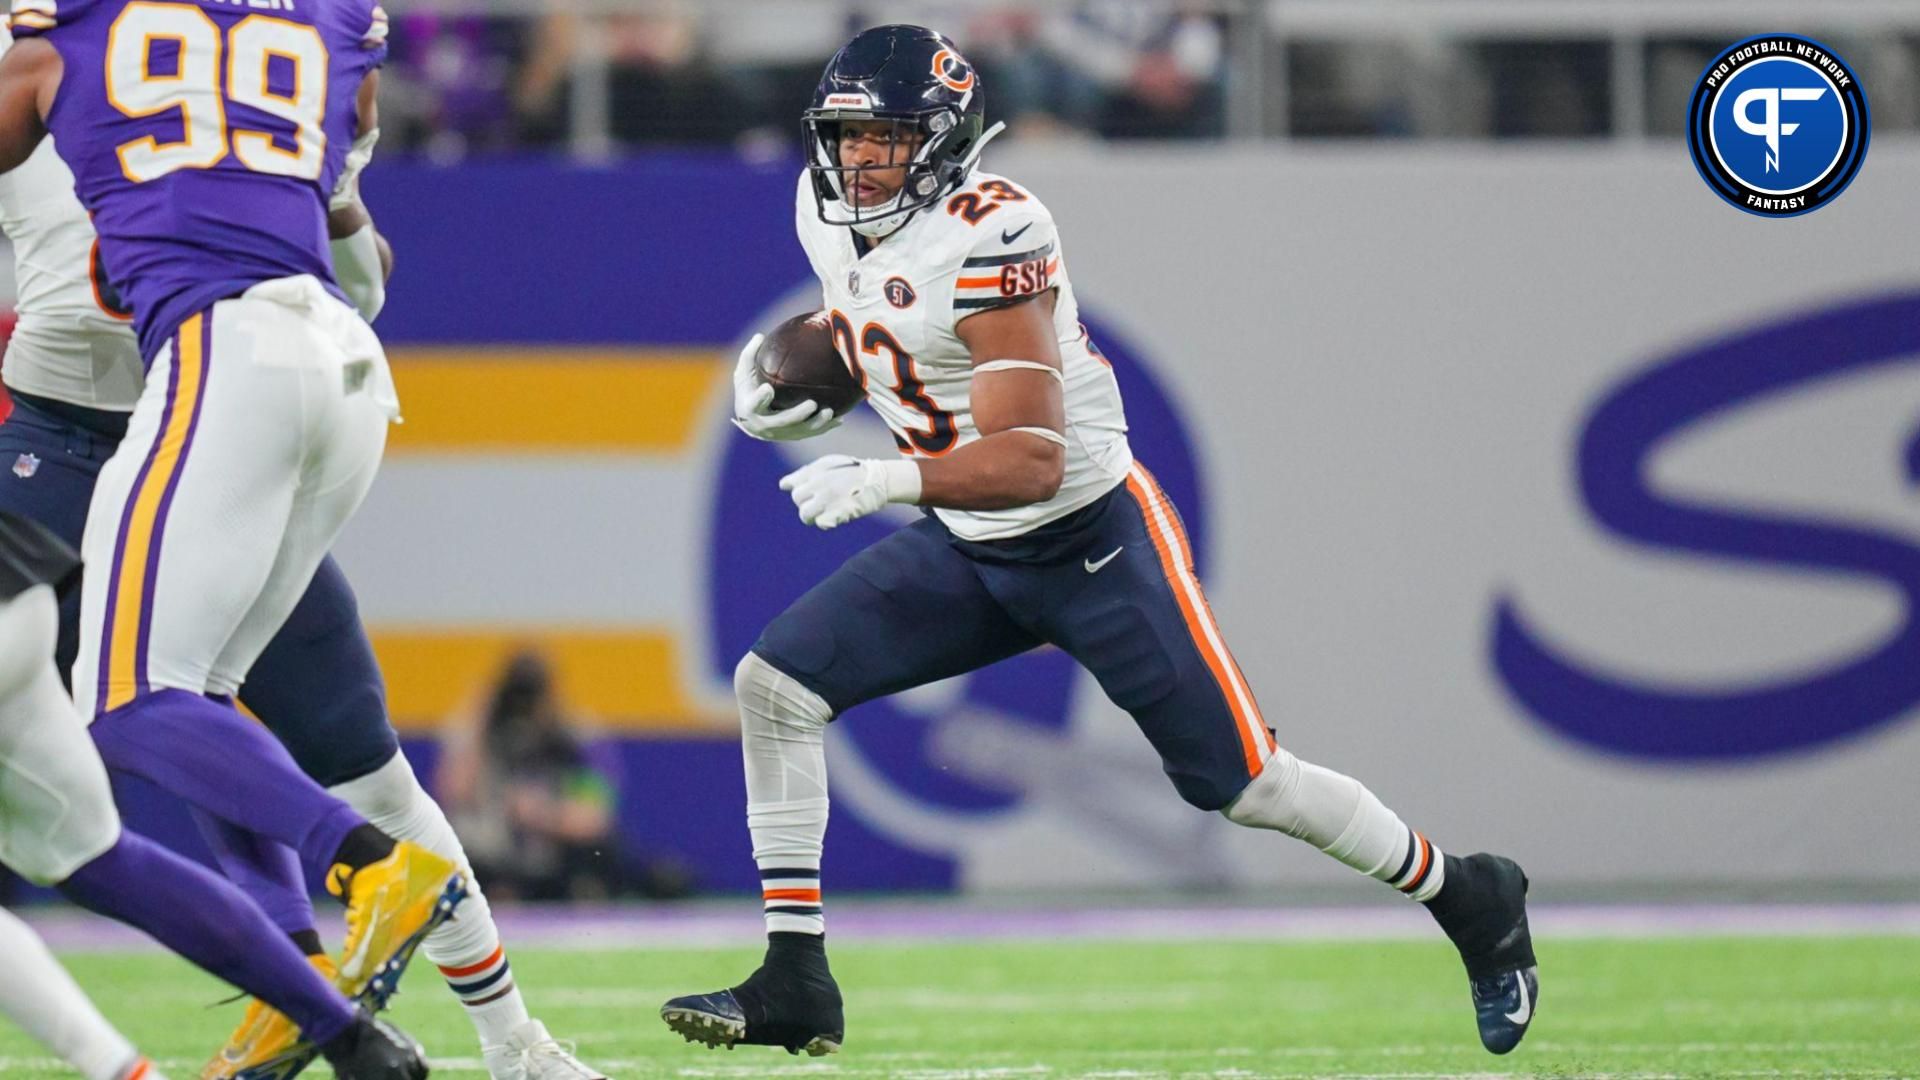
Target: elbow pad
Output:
[{"x": 356, "y": 265}]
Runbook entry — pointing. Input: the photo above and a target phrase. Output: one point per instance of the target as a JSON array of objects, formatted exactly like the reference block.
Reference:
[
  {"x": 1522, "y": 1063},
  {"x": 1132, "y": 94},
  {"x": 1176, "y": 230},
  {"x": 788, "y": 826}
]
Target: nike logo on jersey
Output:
[
  {"x": 1010, "y": 237},
  {"x": 1094, "y": 567},
  {"x": 1525, "y": 1012}
]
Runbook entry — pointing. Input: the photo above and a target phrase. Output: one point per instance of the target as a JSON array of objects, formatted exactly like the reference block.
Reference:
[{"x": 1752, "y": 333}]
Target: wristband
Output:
[{"x": 900, "y": 479}]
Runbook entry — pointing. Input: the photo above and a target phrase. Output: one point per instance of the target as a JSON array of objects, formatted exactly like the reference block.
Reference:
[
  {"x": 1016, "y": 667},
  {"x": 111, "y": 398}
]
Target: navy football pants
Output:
[
  {"x": 1112, "y": 585},
  {"x": 316, "y": 687}
]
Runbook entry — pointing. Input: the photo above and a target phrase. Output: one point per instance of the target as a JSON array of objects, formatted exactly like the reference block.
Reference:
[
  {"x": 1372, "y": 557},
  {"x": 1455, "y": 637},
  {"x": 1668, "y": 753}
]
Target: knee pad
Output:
[
  {"x": 768, "y": 695},
  {"x": 29, "y": 627}
]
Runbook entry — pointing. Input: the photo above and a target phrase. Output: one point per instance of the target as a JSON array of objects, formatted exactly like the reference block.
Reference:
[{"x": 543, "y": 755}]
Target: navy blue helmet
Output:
[{"x": 916, "y": 78}]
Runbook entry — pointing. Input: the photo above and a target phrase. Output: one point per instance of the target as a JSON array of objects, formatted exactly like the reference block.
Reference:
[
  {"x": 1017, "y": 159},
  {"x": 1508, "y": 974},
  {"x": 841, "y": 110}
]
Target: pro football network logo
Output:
[{"x": 1778, "y": 125}]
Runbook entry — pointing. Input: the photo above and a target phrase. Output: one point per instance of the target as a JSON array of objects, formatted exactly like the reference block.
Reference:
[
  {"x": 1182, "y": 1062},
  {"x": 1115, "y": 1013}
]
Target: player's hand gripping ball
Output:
[{"x": 754, "y": 411}]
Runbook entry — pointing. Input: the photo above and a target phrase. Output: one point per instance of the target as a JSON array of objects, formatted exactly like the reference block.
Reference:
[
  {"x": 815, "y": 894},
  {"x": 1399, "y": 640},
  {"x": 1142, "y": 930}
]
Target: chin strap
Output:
[{"x": 973, "y": 155}]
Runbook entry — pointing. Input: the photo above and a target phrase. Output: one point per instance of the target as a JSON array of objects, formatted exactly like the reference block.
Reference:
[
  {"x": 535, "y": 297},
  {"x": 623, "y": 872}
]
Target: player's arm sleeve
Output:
[
  {"x": 29, "y": 18},
  {"x": 373, "y": 38},
  {"x": 360, "y": 268},
  {"x": 366, "y": 117},
  {"x": 1014, "y": 259}
]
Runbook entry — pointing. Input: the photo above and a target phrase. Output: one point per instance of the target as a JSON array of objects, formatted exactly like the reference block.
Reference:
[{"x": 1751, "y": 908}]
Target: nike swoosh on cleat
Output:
[
  {"x": 1010, "y": 237},
  {"x": 1094, "y": 567},
  {"x": 350, "y": 966},
  {"x": 1525, "y": 1012}
]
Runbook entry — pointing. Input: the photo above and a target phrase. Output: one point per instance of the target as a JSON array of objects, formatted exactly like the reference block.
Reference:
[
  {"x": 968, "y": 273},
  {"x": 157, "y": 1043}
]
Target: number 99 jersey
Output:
[
  {"x": 895, "y": 313},
  {"x": 204, "y": 137}
]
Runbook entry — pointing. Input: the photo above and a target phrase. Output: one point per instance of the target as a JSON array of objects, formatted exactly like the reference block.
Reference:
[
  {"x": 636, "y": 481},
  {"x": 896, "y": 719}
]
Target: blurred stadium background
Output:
[{"x": 1567, "y": 506}]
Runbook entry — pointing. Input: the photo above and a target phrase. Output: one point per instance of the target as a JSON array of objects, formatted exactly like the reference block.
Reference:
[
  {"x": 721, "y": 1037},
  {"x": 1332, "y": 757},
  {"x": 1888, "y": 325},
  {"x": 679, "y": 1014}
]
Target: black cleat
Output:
[
  {"x": 1503, "y": 1005},
  {"x": 791, "y": 1001},
  {"x": 1483, "y": 908},
  {"x": 373, "y": 1049}
]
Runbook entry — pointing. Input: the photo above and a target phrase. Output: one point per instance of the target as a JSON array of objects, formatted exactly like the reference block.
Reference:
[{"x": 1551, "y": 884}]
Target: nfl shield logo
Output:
[
  {"x": 25, "y": 466},
  {"x": 853, "y": 282}
]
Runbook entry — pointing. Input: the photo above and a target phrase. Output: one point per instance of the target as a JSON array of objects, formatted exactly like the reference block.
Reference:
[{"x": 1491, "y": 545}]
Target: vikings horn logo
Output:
[{"x": 953, "y": 70}]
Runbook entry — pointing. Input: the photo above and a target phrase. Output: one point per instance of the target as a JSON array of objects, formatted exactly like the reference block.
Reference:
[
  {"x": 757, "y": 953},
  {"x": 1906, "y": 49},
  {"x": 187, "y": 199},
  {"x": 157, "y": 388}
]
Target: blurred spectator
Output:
[
  {"x": 1544, "y": 87},
  {"x": 1118, "y": 68},
  {"x": 445, "y": 87},
  {"x": 1401, "y": 85},
  {"x": 535, "y": 815},
  {"x": 598, "y": 75},
  {"x": 659, "y": 88},
  {"x": 772, "y": 62}
]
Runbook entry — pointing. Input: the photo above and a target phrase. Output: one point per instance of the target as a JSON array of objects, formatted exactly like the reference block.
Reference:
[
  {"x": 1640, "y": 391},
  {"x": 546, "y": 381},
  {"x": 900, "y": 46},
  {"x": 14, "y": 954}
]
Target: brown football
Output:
[{"x": 799, "y": 360}]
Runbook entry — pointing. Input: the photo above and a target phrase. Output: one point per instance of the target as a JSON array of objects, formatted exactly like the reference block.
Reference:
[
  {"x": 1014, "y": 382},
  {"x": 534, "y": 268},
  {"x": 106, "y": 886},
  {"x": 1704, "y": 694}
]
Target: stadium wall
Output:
[{"x": 1569, "y": 507}]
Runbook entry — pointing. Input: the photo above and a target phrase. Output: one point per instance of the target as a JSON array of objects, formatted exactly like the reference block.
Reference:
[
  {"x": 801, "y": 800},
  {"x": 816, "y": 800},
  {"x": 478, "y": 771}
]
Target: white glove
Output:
[
  {"x": 752, "y": 395},
  {"x": 836, "y": 489},
  {"x": 346, "y": 190}
]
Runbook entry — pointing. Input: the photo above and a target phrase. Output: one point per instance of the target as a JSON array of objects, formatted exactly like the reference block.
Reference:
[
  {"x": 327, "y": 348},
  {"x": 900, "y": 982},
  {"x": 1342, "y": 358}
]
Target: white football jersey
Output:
[
  {"x": 895, "y": 311},
  {"x": 69, "y": 344}
]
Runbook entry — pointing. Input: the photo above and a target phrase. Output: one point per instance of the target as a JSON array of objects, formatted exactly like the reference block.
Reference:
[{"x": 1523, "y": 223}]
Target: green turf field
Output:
[{"x": 1712, "y": 1008}]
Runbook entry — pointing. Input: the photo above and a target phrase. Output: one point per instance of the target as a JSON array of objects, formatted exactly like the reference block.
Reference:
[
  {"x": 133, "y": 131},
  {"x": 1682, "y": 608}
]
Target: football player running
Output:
[
  {"x": 75, "y": 372},
  {"x": 58, "y": 827},
  {"x": 1042, "y": 529}
]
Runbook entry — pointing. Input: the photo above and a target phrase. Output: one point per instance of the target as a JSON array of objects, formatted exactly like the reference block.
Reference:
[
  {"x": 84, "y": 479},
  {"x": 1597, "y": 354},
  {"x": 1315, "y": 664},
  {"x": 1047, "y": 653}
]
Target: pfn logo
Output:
[
  {"x": 1770, "y": 128},
  {"x": 1778, "y": 125}
]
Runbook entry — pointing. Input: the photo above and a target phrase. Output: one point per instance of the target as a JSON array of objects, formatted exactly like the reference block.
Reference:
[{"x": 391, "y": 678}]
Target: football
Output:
[{"x": 799, "y": 360}]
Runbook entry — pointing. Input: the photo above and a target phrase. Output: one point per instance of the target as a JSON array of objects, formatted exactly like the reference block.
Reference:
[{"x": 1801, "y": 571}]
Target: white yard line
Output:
[{"x": 710, "y": 924}]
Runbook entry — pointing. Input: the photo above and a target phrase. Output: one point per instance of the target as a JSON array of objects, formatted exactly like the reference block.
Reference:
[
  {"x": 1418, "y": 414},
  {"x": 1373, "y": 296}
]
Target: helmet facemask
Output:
[{"x": 948, "y": 146}]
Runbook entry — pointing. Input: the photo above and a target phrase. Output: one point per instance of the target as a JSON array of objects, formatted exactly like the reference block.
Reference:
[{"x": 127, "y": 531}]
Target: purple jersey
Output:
[{"x": 205, "y": 137}]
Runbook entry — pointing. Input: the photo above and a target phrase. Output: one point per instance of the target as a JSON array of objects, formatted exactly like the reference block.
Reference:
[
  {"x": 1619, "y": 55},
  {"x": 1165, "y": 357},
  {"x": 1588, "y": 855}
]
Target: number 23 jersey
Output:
[
  {"x": 895, "y": 313},
  {"x": 205, "y": 136}
]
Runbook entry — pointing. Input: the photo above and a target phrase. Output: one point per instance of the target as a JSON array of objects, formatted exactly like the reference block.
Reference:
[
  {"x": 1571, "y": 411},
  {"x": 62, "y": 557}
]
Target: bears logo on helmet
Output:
[{"x": 953, "y": 70}]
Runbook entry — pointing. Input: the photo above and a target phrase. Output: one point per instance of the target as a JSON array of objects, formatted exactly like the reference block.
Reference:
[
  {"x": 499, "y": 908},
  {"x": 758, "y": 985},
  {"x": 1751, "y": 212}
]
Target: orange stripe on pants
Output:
[{"x": 1176, "y": 562}]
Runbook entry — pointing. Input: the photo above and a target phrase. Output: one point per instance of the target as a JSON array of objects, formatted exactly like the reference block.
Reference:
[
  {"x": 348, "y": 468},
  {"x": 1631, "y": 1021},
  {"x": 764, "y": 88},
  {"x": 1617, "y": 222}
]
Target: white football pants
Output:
[
  {"x": 258, "y": 433},
  {"x": 56, "y": 810}
]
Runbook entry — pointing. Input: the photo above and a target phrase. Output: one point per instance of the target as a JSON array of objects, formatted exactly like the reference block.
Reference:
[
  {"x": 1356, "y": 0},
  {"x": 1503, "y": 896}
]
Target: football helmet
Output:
[{"x": 917, "y": 79}]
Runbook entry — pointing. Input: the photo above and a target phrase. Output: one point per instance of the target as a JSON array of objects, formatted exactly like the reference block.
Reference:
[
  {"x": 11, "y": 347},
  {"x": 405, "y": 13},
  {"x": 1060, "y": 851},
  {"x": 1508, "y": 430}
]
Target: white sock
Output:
[
  {"x": 782, "y": 728},
  {"x": 467, "y": 947},
  {"x": 1338, "y": 815},
  {"x": 42, "y": 998}
]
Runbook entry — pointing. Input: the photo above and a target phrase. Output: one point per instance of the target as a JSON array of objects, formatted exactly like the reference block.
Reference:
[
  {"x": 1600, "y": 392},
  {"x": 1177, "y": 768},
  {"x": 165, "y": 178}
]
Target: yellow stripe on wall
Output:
[
  {"x": 553, "y": 400},
  {"x": 623, "y": 679}
]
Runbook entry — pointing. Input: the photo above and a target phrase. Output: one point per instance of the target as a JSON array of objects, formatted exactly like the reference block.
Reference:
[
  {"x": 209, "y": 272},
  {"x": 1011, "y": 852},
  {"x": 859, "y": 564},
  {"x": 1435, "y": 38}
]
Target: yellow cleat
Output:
[
  {"x": 392, "y": 905},
  {"x": 264, "y": 1034}
]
